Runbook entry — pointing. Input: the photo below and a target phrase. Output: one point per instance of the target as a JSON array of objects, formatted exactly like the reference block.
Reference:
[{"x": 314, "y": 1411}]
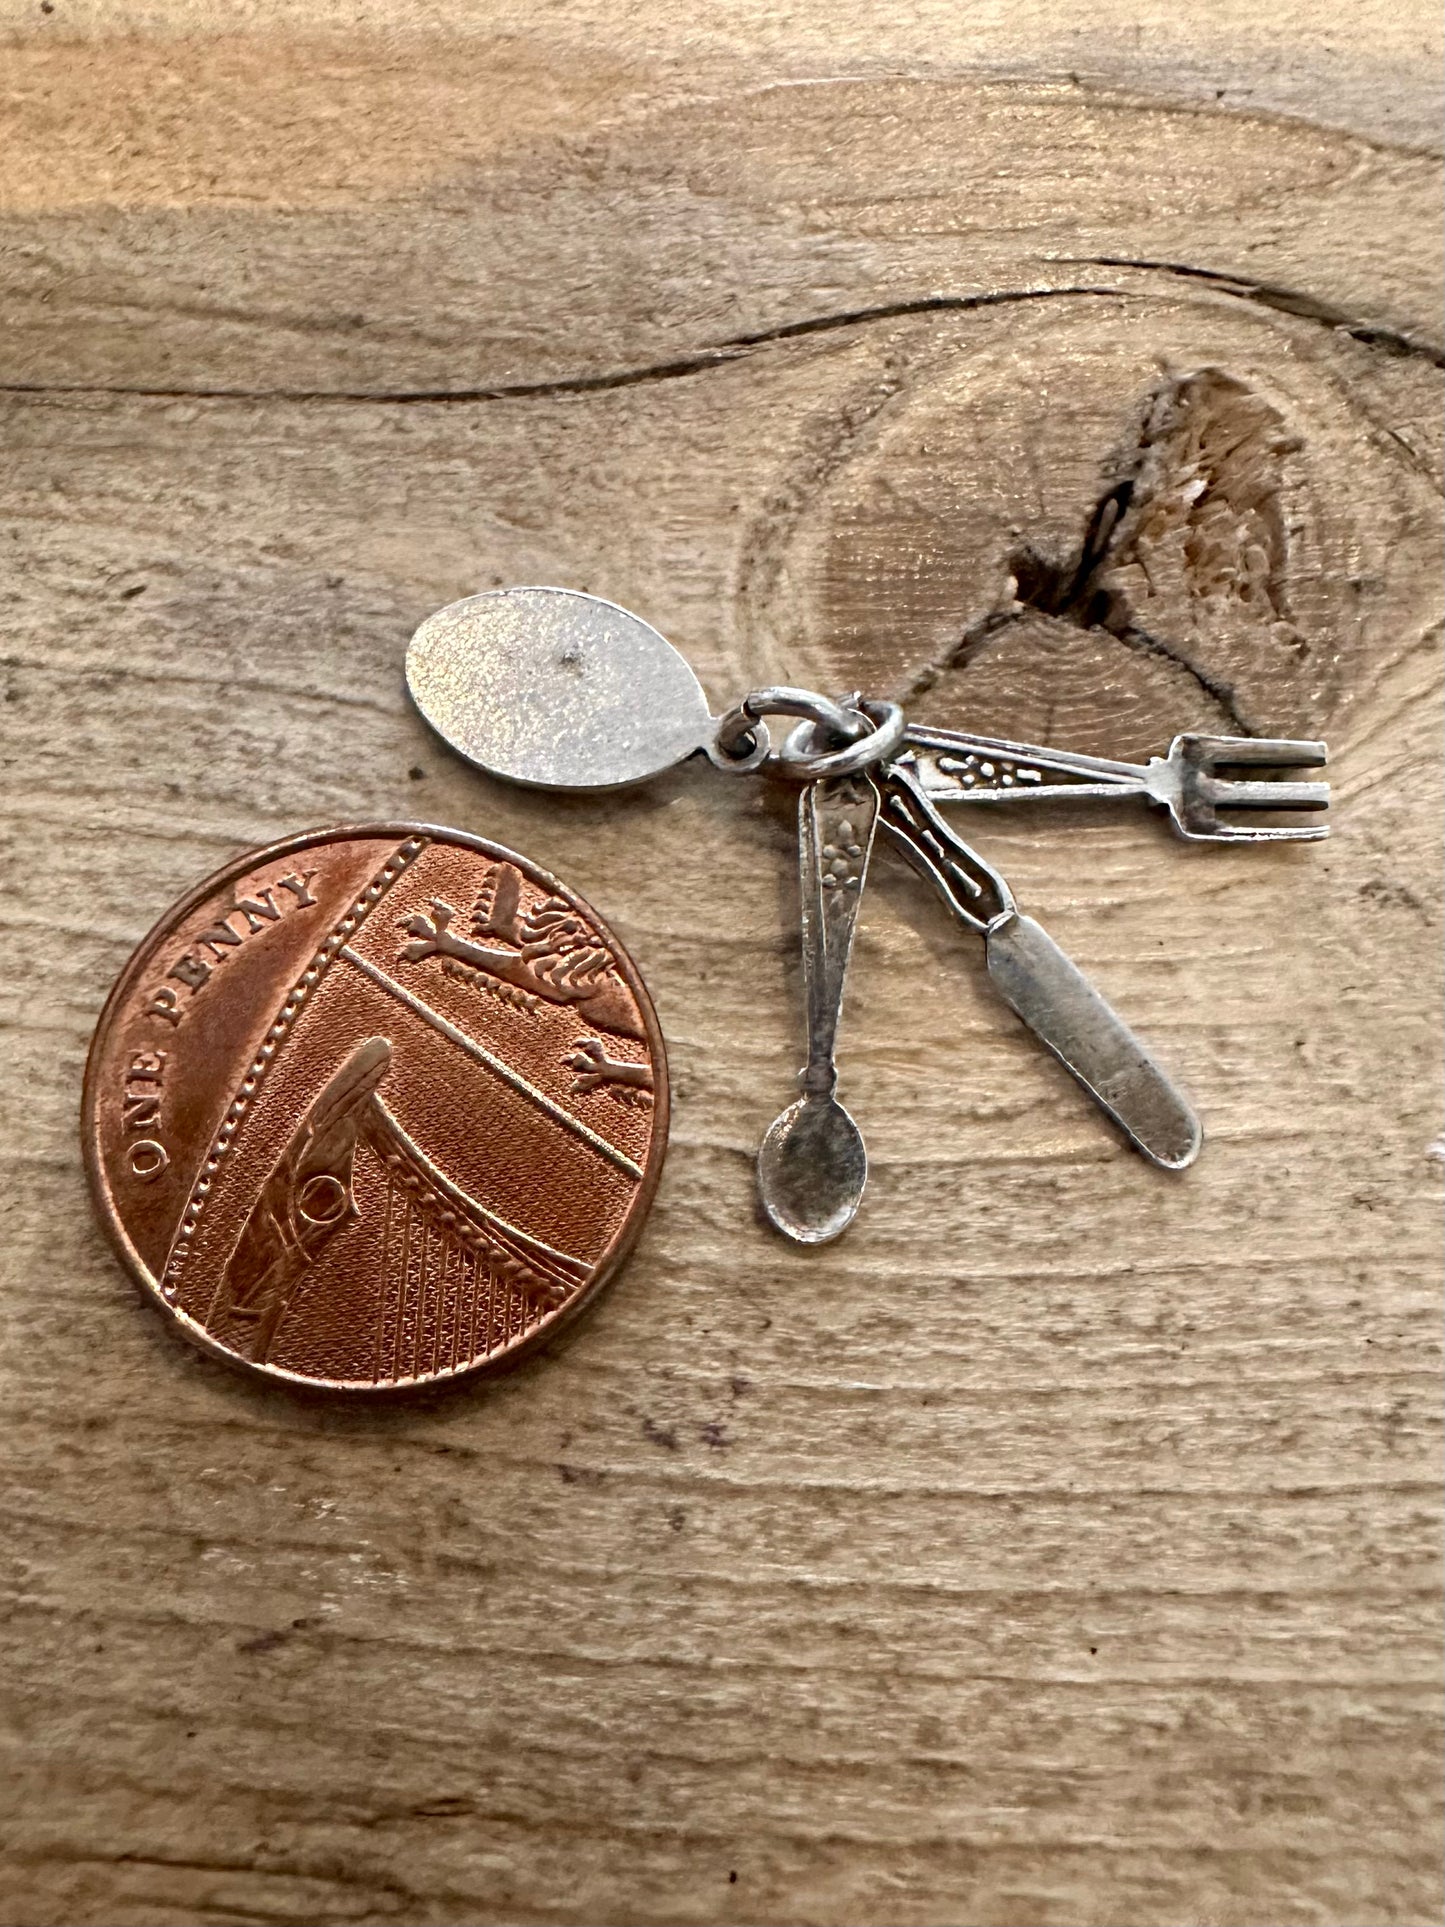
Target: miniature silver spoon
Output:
[{"x": 812, "y": 1165}]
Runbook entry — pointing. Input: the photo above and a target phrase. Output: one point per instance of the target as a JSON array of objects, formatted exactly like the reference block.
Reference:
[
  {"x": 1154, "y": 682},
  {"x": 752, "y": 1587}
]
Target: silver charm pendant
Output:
[
  {"x": 556, "y": 690},
  {"x": 812, "y": 1165},
  {"x": 954, "y": 768},
  {"x": 564, "y": 691}
]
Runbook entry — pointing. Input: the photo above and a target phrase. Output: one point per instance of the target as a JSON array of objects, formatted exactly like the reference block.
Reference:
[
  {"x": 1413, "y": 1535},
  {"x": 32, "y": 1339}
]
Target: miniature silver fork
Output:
[{"x": 955, "y": 768}]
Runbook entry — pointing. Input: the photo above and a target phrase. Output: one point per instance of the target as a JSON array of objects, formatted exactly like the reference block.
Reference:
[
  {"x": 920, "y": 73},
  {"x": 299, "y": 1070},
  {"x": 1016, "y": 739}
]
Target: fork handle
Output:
[{"x": 955, "y": 768}]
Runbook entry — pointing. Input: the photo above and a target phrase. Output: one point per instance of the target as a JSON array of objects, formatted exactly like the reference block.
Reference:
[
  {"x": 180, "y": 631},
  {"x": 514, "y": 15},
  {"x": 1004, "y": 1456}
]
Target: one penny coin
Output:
[{"x": 375, "y": 1107}]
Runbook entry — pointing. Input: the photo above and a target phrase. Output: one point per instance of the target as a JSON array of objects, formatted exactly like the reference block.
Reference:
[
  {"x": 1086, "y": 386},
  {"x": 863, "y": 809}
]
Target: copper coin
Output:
[{"x": 376, "y": 1106}]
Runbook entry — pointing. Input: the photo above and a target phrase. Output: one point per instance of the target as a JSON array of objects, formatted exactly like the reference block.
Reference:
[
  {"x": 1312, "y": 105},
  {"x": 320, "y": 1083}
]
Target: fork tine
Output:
[
  {"x": 1263, "y": 796},
  {"x": 1267, "y": 833},
  {"x": 1246, "y": 752}
]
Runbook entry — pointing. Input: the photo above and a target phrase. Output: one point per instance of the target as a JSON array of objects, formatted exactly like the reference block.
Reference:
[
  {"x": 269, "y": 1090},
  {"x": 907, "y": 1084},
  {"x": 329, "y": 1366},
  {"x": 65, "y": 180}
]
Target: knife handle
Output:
[{"x": 973, "y": 890}]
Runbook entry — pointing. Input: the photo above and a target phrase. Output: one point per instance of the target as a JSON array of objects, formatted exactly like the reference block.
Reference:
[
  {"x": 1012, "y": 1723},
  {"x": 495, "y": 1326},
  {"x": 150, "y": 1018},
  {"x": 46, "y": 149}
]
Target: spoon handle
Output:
[{"x": 836, "y": 821}]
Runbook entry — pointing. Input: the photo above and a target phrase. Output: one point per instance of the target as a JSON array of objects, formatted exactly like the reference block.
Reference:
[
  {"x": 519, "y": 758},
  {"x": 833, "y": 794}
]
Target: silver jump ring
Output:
[
  {"x": 840, "y": 720},
  {"x": 795, "y": 759},
  {"x": 740, "y": 744},
  {"x": 735, "y": 732}
]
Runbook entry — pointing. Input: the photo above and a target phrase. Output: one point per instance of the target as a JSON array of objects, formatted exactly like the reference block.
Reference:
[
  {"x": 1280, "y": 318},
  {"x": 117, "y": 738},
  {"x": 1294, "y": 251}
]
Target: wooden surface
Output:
[{"x": 1060, "y": 1548}]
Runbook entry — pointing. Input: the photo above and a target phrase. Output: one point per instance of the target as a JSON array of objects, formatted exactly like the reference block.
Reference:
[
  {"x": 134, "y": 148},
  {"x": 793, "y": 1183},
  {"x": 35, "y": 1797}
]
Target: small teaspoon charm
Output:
[{"x": 812, "y": 1166}]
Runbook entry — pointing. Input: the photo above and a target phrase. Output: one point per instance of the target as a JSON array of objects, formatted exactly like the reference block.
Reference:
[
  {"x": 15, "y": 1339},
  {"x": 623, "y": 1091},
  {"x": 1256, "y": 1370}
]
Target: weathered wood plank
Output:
[{"x": 1061, "y": 1546}]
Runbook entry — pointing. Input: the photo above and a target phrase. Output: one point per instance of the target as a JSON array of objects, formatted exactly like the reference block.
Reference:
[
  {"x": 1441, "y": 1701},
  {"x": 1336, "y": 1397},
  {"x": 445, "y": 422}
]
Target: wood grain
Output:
[{"x": 1061, "y": 1546}]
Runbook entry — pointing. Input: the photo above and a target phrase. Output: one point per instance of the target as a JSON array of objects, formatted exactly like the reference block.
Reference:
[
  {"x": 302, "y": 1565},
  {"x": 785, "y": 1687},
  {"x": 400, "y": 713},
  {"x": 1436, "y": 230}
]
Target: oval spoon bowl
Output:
[{"x": 812, "y": 1167}]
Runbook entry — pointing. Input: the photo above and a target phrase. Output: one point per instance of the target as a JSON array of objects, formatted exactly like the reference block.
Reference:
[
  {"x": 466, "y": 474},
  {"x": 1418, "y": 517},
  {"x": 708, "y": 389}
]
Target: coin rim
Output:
[{"x": 607, "y": 1266}]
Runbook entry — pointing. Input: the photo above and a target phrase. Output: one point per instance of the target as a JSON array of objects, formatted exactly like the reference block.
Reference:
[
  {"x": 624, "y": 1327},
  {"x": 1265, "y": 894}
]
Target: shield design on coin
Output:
[{"x": 404, "y": 1106}]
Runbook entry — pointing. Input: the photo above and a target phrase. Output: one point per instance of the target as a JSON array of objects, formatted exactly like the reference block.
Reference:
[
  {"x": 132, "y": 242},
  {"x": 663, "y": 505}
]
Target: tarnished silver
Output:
[
  {"x": 812, "y": 1165},
  {"x": 752, "y": 747},
  {"x": 1065, "y": 1012},
  {"x": 833, "y": 739},
  {"x": 799, "y": 761},
  {"x": 782, "y": 699},
  {"x": 737, "y": 734},
  {"x": 555, "y": 689},
  {"x": 954, "y": 767},
  {"x": 567, "y": 691},
  {"x": 1041, "y": 984},
  {"x": 972, "y": 889}
]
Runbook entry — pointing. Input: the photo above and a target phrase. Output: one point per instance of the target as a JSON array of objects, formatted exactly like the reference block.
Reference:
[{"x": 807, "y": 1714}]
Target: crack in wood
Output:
[
  {"x": 898, "y": 310},
  {"x": 1203, "y": 475},
  {"x": 1290, "y": 301},
  {"x": 1217, "y": 690},
  {"x": 722, "y": 354},
  {"x": 737, "y": 347}
]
